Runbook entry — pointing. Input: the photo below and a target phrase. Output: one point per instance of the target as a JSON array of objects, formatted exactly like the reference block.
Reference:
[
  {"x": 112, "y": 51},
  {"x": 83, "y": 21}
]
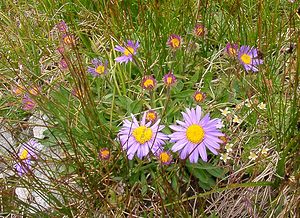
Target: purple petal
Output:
[
  {"x": 179, "y": 145},
  {"x": 198, "y": 113},
  {"x": 187, "y": 118},
  {"x": 137, "y": 44},
  {"x": 122, "y": 59},
  {"x": 184, "y": 152},
  {"x": 202, "y": 152},
  {"x": 119, "y": 48},
  {"x": 194, "y": 156},
  {"x": 182, "y": 123},
  {"x": 212, "y": 138},
  {"x": 253, "y": 52},
  {"x": 155, "y": 125},
  {"x": 130, "y": 156},
  {"x": 177, "y": 136},
  {"x": 162, "y": 136},
  {"x": 131, "y": 44},
  {"x": 177, "y": 128},
  {"x": 143, "y": 119},
  {"x": 134, "y": 120},
  {"x": 133, "y": 148},
  {"x": 140, "y": 153},
  {"x": 145, "y": 150},
  {"x": 204, "y": 120},
  {"x": 212, "y": 150}
]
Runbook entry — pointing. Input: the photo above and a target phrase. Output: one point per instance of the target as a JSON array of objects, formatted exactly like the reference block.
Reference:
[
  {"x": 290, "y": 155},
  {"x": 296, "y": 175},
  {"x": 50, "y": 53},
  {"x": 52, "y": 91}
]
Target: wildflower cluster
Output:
[
  {"x": 191, "y": 136},
  {"x": 66, "y": 37},
  {"x": 27, "y": 100},
  {"x": 247, "y": 56},
  {"x": 67, "y": 40},
  {"x": 143, "y": 105}
]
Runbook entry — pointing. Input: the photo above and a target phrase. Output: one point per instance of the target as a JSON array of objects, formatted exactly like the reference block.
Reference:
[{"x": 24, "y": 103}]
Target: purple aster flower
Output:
[
  {"x": 28, "y": 103},
  {"x": 69, "y": 39},
  {"x": 231, "y": 49},
  {"x": 249, "y": 58},
  {"x": 99, "y": 68},
  {"x": 174, "y": 41},
  {"x": 151, "y": 116},
  {"x": 141, "y": 137},
  {"x": 27, "y": 153},
  {"x": 104, "y": 154},
  {"x": 169, "y": 79},
  {"x": 195, "y": 134},
  {"x": 148, "y": 82},
  {"x": 165, "y": 157},
  {"x": 128, "y": 51},
  {"x": 199, "y": 96},
  {"x": 199, "y": 30}
]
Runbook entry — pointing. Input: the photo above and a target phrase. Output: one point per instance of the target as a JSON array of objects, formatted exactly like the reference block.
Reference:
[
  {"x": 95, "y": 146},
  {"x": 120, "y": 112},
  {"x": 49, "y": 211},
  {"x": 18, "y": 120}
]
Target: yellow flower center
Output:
[
  {"x": 19, "y": 90},
  {"x": 151, "y": 116},
  {"x": 148, "y": 83},
  {"x": 169, "y": 80},
  {"x": 198, "y": 97},
  {"x": 69, "y": 40},
  {"x": 195, "y": 133},
  {"x": 199, "y": 31},
  {"x": 175, "y": 42},
  {"x": 142, "y": 134},
  {"x": 29, "y": 103},
  {"x": 100, "y": 69},
  {"x": 128, "y": 51},
  {"x": 33, "y": 91},
  {"x": 246, "y": 58},
  {"x": 232, "y": 51},
  {"x": 24, "y": 154},
  {"x": 164, "y": 157},
  {"x": 104, "y": 153}
]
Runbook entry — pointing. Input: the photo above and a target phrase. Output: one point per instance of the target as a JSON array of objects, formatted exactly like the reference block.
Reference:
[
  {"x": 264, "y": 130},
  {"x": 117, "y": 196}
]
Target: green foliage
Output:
[
  {"x": 206, "y": 173},
  {"x": 79, "y": 183}
]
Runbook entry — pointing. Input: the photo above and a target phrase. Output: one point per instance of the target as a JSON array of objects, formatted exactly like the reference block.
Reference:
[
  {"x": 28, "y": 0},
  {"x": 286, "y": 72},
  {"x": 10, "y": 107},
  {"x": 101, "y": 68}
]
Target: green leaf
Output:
[
  {"x": 174, "y": 184},
  {"x": 179, "y": 86},
  {"x": 195, "y": 77},
  {"x": 204, "y": 185},
  {"x": 136, "y": 106},
  {"x": 184, "y": 94},
  {"x": 217, "y": 172},
  {"x": 199, "y": 173},
  {"x": 124, "y": 102},
  {"x": 202, "y": 165},
  {"x": 144, "y": 184}
]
